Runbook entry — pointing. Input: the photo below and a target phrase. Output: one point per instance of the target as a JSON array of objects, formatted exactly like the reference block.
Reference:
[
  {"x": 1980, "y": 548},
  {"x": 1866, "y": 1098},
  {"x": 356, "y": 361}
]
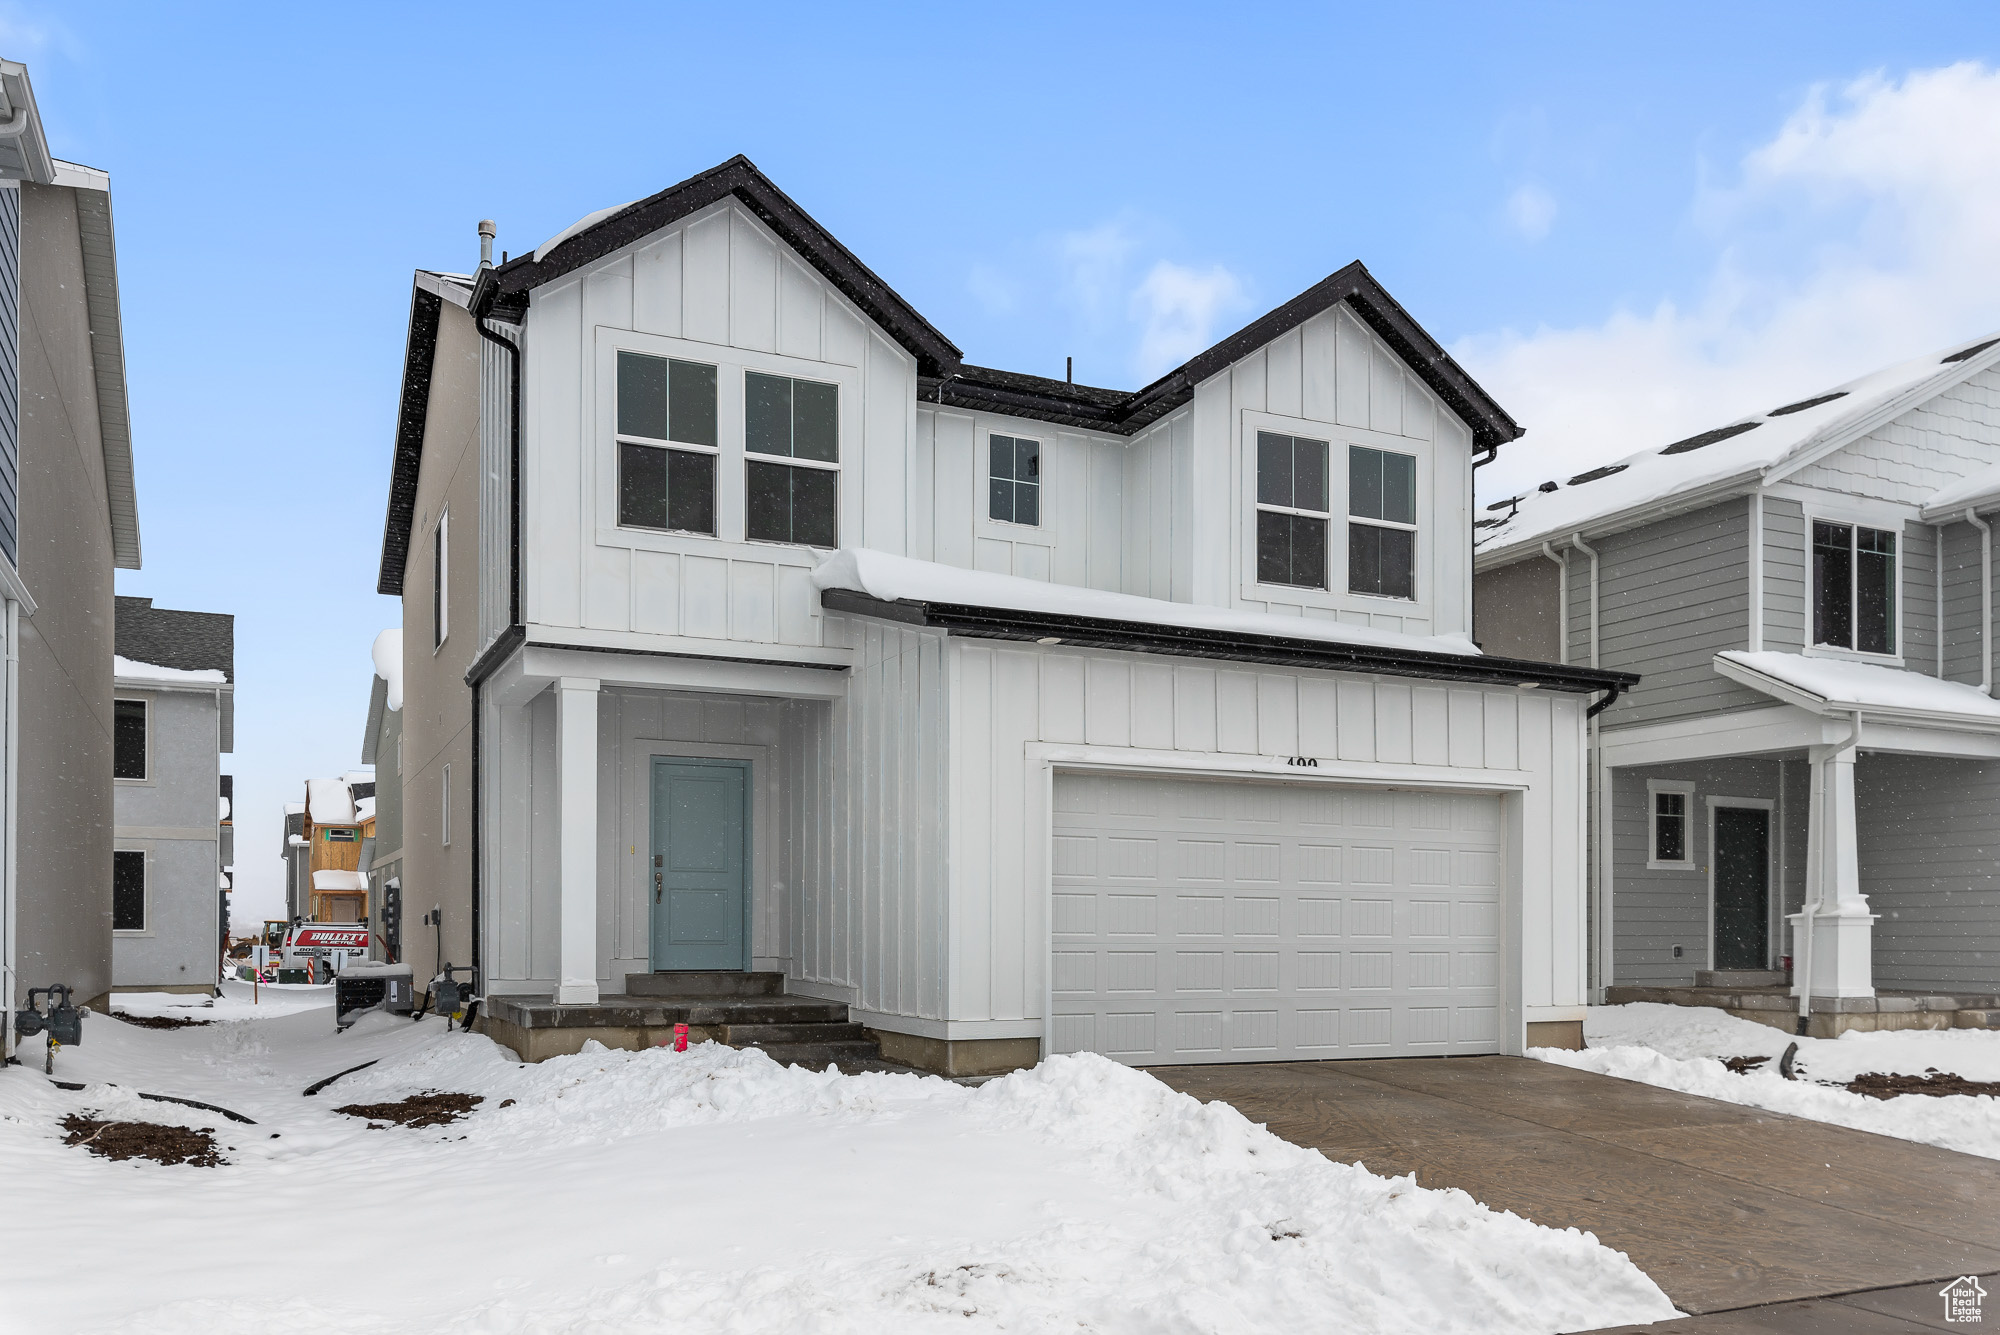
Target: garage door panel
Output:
[{"x": 1245, "y": 922}]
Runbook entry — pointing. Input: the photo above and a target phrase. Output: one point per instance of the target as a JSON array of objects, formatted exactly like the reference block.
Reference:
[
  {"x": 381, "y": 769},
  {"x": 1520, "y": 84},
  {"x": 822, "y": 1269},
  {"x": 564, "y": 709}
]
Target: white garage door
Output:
[{"x": 1202, "y": 921}]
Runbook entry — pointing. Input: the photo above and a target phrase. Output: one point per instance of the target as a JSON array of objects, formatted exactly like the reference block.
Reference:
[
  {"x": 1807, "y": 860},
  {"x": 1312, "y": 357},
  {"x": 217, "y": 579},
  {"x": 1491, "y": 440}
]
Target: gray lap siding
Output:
[
  {"x": 1786, "y": 574},
  {"x": 1929, "y": 840}
]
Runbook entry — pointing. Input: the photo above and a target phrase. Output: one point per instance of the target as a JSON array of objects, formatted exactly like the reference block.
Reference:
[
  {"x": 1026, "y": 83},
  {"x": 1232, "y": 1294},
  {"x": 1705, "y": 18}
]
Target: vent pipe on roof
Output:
[{"x": 487, "y": 231}]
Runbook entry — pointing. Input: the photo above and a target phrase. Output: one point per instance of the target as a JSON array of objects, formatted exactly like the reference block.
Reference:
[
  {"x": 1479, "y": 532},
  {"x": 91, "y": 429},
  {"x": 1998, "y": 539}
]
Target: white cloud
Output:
[
  {"x": 1093, "y": 263},
  {"x": 1178, "y": 307},
  {"x": 1864, "y": 232},
  {"x": 1531, "y": 210}
]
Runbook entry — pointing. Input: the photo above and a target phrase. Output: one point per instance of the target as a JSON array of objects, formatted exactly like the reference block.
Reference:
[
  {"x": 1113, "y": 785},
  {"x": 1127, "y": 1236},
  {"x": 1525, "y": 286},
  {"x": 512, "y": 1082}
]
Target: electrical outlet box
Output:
[{"x": 1677, "y": 952}]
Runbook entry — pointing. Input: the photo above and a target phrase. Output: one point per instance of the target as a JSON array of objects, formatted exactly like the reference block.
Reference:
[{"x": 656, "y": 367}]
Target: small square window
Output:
[{"x": 1014, "y": 485}]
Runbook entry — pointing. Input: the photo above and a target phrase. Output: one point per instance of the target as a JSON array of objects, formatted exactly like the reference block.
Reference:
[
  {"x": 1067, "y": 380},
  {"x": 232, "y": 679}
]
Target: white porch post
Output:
[
  {"x": 1832, "y": 938},
  {"x": 576, "y": 776}
]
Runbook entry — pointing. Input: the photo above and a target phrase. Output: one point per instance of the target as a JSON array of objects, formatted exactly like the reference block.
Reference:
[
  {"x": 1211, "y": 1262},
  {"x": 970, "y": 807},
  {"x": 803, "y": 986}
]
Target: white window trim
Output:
[
  {"x": 1771, "y": 887},
  {"x": 1686, "y": 790},
  {"x": 441, "y": 581},
  {"x": 601, "y": 461},
  {"x": 444, "y": 809},
  {"x": 1855, "y": 516},
  {"x": 146, "y": 876},
  {"x": 150, "y": 701},
  {"x": 1335, "y": 596}
]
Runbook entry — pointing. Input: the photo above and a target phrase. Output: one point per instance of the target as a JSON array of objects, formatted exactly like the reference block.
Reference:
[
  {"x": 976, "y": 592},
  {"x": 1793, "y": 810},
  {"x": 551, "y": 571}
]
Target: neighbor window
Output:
[
  {"x": 128, "y": 891},
  {"x": 1668, "y": 824},
  {"x": 340, "y": 835},
  {"x": 128, "y": 739},
  {"x": 792, "y": 494},
  {"x": 662, "y": 485},
  {"x": 1854, "y": 587},
  {"x": 440, "y": 605},
  {"x": 1382, "y": 523},
  {"x": 1292, "y": 514},
  {"x": 1014, "y": 489}
]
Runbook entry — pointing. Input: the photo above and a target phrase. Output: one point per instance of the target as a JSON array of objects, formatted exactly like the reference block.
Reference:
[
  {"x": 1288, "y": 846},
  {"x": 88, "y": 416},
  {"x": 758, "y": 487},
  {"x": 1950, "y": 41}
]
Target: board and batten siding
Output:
[
  {"x": 1158, "y": 510},
  {"x": 1140, "y": 710},
  {"x": 496, "y": 471},
  {"x": 721, "y": 280},
  {"x": 1655, "y": 910},
  {"x": 1672, "y": 595},
  {"x": 864, "y": 828},
  {"x": 1928, "y": 849},
  {"x": 1331, "y": 377}
]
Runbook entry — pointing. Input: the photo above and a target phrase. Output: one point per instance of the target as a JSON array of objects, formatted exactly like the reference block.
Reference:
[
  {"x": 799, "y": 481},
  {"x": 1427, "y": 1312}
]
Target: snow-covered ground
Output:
[
  {"x": 1679, "y": 1047},
  {"x": 713, "y": 1190}
]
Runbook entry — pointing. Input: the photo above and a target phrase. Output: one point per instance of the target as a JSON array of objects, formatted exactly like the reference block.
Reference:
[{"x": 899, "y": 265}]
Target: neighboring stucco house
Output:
[
  {"x": 174, "y": 718},
  {"x": 1808, "y": 776},
  {"x": 382, "y": 747},
  {"x": 68, "y": 517},
  {"x": 750, "y": 630}
]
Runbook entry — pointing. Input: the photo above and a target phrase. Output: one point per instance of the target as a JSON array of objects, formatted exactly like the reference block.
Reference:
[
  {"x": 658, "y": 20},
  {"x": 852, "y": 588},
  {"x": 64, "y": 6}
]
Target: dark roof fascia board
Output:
[
  {"x": 740, "y": 178},
  {"x": 1192, "y": 642},
  {"x": 516, "y": 637},
  {"x": 412, "y": 413}
]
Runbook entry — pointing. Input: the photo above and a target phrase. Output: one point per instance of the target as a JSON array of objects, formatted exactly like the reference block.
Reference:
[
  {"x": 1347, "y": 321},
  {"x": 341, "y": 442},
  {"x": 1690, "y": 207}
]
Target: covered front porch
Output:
[{"x": 1840, "y": 837}]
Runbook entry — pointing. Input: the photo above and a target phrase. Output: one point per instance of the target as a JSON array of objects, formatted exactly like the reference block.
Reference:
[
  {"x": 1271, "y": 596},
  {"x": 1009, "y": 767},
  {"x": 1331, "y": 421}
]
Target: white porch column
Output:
[
  {"x": 1832, "y": 939},
  {"x": 576, "y": 779}
]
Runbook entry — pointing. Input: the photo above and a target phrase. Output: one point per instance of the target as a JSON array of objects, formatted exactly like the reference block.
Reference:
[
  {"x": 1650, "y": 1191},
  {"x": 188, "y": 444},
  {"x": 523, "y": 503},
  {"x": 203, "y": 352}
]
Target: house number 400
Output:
[{"x": 1306, "y": 761}]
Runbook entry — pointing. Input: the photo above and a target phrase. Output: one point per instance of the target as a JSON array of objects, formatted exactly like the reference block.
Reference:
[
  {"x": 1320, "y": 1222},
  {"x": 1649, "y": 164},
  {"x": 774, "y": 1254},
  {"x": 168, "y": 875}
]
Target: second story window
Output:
[
  {"x": 791, "y": 444},
  {"x": 666, "y": 444},
  {"x": 128, "y": 739},
  {"x": 440, "y": 579},
  {"x": 1854, "y": 587},
  {"x": 1292, "y": 513},
  {"x": 1014, "y": 485},
  {"x": 1382, "y": 523}
]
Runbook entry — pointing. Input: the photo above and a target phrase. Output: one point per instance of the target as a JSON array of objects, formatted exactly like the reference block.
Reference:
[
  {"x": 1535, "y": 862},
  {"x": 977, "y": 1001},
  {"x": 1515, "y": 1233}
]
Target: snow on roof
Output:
[
  {"x": 1841, "y": 684},
  {"x": 329, "y": 802},
  {"x": 127, "y": 669},
  {"x": 892, "y": 578},
  {"x": 583, "y": 224},
  {"x": 221, "y": 809},
  {"x": 1971, "y": 492},
  {"x": 1730, "y": 453},
  {"x": 339, "y": 880},
  {"x": 295, "y": 808},
  {"x": 365, "y": 809},
  {"x": 388, "y": 655}
]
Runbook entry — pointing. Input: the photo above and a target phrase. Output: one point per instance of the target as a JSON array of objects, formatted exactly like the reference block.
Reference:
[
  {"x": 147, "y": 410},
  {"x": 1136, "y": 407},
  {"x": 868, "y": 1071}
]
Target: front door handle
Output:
[{"x": 656, "y": 887}]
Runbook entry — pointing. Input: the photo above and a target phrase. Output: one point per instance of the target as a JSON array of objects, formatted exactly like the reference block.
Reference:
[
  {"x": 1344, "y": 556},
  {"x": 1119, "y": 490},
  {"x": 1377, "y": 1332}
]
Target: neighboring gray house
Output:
[
  {"x": 382, "y": 747},
  {"x": 68, "y": 517},
  {"x": 1809, "y": 772},
  {"x": 174, "y": 717}
]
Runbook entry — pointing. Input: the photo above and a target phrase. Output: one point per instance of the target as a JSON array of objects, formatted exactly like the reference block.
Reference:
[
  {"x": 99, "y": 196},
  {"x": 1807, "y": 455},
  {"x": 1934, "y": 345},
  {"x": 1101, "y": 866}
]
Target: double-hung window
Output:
[
  {"x": 1014, "y": 487},
  {"x": 1381, "y": 523},
  {"x": 1668, "y": 847},
  {"x": 667, "y": 444},
  {"x": 1854, "y": 587},
  {"x": 791, "y": 446},
  {"x": 1292, "y": 513}
]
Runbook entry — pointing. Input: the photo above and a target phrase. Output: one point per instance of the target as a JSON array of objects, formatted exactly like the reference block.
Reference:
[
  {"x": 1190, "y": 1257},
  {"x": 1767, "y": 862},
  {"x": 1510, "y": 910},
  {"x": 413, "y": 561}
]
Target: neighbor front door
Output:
[
  {"x": 697, "y": 879},
  {"x": 1742, "y": 887}
]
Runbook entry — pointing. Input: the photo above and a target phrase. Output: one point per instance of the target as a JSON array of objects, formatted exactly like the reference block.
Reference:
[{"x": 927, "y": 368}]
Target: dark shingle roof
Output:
[{"x": 189, "y": 641}]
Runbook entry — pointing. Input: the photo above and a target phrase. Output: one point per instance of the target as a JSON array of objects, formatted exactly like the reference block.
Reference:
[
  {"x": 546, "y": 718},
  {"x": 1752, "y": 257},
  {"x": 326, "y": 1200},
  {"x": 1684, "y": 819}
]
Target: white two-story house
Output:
[{"x": 750, "y": 630}]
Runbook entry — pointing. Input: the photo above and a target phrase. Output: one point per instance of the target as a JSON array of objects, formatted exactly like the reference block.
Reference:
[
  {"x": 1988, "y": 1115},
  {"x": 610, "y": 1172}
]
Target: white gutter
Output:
[
  {"x": 1985, "y": 599},
  {"x": 1562, "y": 603},
  {"x": 1756, "y": 637}
]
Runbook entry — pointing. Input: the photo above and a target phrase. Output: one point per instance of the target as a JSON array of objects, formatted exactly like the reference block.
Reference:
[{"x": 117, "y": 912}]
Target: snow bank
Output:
[
  {"x": 129, "y": 669},
  {"x": 882, "y": 575},
  {"x": 1677, "y": 1047},
  {"x": 388, "y": 655},
  {"x": 714, "y": 1190}
]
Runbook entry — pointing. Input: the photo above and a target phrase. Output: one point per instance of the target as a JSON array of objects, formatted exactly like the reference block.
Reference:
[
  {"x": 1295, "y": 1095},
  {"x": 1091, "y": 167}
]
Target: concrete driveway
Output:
[{"x": 1727, "y": 1208}]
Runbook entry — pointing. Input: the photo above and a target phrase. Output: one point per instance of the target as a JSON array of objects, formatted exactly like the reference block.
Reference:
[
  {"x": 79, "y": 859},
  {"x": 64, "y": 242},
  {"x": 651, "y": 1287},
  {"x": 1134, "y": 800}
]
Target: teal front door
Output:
[{"x": 698, "y": 875}]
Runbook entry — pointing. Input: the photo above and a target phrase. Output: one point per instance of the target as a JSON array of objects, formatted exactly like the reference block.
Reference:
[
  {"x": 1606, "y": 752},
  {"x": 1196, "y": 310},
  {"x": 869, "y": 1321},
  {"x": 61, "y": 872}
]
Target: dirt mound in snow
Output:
[
  {"x": 429, "y": 1109},
  {"x": 1878, "y": 1085},
  {"x": 160, "y": 1021},
  {"x": 142, "y": 1140}
]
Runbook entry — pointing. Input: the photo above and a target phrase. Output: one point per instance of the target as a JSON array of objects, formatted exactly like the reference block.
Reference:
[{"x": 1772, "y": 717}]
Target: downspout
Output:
[
  {"x": 10, "y": 822},
  {"x": 1576, "y": 541},
  {"x": 1596, "y": 874},
  {"x": 1937, "y": 593},
  {"x": 1562, "y": 603},
  {"x": 1755, "y": 639},
  {"x": 513, "y": 620},
  {"x": 1985, "y": 598}
]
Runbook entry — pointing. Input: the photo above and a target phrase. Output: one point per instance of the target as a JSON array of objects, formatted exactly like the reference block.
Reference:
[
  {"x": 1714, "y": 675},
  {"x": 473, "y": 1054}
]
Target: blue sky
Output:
[{"x": 1626, "y": 220}]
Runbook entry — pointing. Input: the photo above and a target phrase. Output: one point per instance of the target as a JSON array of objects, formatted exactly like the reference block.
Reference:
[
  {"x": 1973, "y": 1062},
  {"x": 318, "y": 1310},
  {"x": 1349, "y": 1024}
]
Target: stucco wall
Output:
[{"x": 170, "y": 815}]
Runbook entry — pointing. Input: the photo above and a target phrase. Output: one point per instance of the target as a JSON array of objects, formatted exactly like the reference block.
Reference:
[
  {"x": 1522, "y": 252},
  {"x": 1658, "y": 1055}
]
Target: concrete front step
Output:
[
  {"x": 818, "y": 1056},
  {"x": 745, "y": 1035},
  {"x": 1742, "y": 978},
  {"x": 704, "y": 983}
]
